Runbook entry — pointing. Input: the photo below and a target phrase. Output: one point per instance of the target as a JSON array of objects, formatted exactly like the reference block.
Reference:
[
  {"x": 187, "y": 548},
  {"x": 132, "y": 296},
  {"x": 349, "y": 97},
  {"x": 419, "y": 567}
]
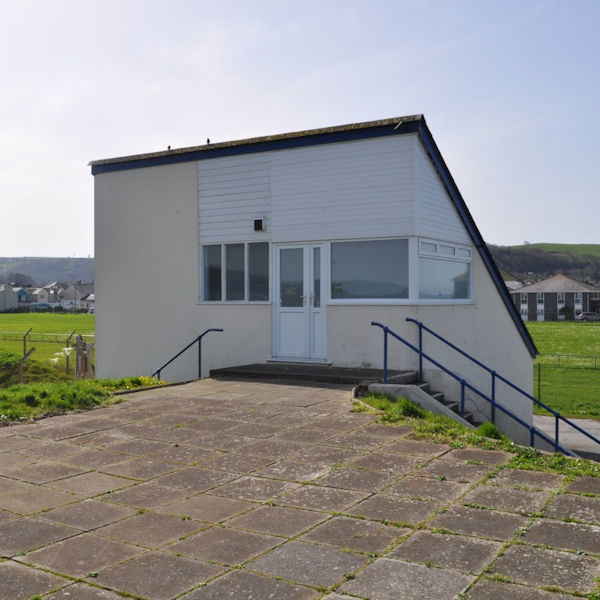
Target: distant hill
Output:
[
  {"x": 532, "y": 262},
  {"x": 43, "y": 270}
]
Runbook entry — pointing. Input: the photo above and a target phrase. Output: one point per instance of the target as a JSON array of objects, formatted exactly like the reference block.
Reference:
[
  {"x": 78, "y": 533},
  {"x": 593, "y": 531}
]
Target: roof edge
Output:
[{"x": 293, "y": 139}]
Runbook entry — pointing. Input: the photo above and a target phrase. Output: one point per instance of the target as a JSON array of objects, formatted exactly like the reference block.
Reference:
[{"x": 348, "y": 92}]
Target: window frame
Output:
[
  {"x": 329, "y": 301},
  {"x": 246, "y": 300},
  {"x": 462, "y": 253}
]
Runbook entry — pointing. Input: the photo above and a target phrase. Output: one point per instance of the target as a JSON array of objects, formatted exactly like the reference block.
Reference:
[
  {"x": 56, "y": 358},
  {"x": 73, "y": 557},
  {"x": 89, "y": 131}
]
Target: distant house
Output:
[
  {"x": 24, "y": 297},
  {"x": 73, "y": 295},
  {"x": 294, "y": 244},
  {"x": 8, "y": 298},
  {"x": 559, "y": 298},
  {"x": 40, "y": 296}
]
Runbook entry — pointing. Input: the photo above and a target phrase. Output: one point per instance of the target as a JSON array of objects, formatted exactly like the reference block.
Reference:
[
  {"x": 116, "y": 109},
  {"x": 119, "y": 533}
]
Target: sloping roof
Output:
[
  {"x": 414, "y": 124},
  {"x": 558, "y": 283}
]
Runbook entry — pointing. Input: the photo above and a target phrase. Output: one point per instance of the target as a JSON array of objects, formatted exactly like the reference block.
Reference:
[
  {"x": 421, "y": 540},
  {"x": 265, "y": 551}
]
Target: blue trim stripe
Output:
[{"x": 250, "y": 148}]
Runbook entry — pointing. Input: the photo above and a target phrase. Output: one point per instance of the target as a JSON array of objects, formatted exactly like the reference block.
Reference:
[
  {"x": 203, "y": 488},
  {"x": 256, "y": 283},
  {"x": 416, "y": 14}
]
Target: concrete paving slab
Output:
[
  {"x": 388, "y": 579},
  {"x": 24, "y": 534},
  {"x": 239, "y": 462},
  {"x": 195, "y": 479},
  {"x": 494, "y": 590},
  {"x": 80, "y": 555},
  {"x": 322, "y": 498},
  {"x": 530, "y": 479},
  {"x": 424, "y": 487},
  {"x": 465, "y": 554},
  {"x": 308, "y": 564},
  {"x": 418, "y": 448},
  {"x": 519, "y": 501},
  {"x": 151, "y": 530},
  {"x": 570, "y": 536},
  {"x": 479, "y": 522},
  {"x": 357, "y": 479},
  {"x": 254, "y": 488},
  {"x": 455, "y": 471},
  {"x": 278, "y": 520},
  {"x": 158, "y": 576},
  {"x": 206, "y": 507},
  {"x": 91, "y": 484},
  {"x": 289, "y": 470},
  {"x": 22, "y": 583},
  {"x": 81, "y": 591},
  {"x": 225, "y": 545},
  {"x": 394, "y": 509},
  {"x": 87, "y": 514},
  {"x": 29, "y": 499},
  {"x": 142, "y": 468},
  {"x": 249, "y": 586},
  {"x": 540, "y": 567},
  {"x": 145, "y": 495},
  {"x": 356, "y": 534},
  {"x": 382, "y": 461},
  {"x": 571, "y": 506},
  {"x": 488, "y": 457},
  {"x": 585, "y": 485}
]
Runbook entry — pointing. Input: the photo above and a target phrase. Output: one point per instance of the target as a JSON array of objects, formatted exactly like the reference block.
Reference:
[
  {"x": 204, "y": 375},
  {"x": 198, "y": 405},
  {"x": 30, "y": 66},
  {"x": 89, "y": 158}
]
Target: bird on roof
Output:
[{"x": 207, "y": 141}]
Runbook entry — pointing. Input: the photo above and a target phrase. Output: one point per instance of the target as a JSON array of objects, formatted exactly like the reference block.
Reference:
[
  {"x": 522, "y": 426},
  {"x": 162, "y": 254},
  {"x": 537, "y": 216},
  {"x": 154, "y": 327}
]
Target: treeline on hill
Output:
[
  {"x": 34, "y": 271},
  {"x": 531, "y": 263}
]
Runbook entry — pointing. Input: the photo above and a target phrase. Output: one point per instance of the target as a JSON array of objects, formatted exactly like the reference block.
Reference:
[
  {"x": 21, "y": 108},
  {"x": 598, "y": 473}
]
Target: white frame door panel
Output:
[{"x": 298, "y": 310}]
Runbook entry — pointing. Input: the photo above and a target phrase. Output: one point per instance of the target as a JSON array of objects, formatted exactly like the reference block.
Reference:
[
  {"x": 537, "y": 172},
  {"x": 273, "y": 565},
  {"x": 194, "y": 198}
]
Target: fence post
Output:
[
  {"x": 420, "y": 352},
  {"x": 25, "y": 341},
  {"x": 462, "y": 398}
]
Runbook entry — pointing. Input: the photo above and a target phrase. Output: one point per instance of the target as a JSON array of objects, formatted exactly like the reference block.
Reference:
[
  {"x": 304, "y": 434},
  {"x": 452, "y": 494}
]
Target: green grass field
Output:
[
  {"x": 568, "y": 369},
  {"x": 42, "y": 323},
  {"x": 574, "y": 249}
]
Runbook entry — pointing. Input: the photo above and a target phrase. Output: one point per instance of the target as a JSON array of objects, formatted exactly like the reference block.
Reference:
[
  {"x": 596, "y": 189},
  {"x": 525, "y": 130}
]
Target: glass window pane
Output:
[
  {"x": 258, "y": 271},
  {"x": 234, "y": 271},
  {"x": 373, "y": 269},
  {"x": 447, "y": 250},
  {"x": 428, "y": 247},
  {"x": 463, "y": 252},
  {"x": 212, "y": 272},
  {"x": 291, "y": 276},
  {"x": 317, "y": 277},
  {"x": 444, "y": 279}
]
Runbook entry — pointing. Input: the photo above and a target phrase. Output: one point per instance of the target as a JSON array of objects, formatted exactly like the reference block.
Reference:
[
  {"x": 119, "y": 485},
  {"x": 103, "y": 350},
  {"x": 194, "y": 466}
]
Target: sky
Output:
[{"x": 510, "y": 91}]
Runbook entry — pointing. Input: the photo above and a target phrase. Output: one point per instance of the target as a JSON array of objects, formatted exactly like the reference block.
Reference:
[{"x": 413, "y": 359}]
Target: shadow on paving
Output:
[{"x": 236, "y": 489}]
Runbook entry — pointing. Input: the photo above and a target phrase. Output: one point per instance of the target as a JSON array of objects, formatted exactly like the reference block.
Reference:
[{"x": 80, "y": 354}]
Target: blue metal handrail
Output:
[
  {"x": 557, "y": 416},
  {"x": 197, "y": 339},
  {"x": 533, "y": 431}
]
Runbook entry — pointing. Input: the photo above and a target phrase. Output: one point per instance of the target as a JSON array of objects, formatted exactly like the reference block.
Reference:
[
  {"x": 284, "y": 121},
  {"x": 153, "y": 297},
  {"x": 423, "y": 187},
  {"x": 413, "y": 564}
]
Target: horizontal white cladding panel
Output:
[
  {"x": 436, "y": 215},
  {"x": 359, "y": 189},
  {"x": 356, "y": 189},
  {"x": 232, "y": 192}
]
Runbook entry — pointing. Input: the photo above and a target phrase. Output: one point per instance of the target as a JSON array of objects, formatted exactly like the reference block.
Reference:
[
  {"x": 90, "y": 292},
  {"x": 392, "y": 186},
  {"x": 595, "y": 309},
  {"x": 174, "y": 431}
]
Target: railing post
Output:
[
  {"x": 531, "y": 437},
  {"x": 462, "y": 398},
  {"x": 385, "y": 355},
  {"x": 199, "y": 357},
  {"x": 539, "y": 381},
  {"x": 493, "y": 415},
  {"x": 420, "y": 352},
  {"x": 556, "y": 432}
]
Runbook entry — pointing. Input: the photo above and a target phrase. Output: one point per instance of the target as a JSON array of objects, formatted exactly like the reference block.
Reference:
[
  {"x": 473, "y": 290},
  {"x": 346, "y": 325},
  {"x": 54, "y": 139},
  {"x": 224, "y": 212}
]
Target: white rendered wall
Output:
[{"x": 146, "y": 270}]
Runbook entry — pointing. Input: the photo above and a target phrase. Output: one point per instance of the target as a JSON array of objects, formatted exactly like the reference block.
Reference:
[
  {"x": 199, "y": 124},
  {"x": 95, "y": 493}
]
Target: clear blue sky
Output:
[{"x": 510, "y": 90}]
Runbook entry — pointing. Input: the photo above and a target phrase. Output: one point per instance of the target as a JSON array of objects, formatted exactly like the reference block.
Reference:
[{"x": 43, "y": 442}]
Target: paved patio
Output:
[{"x": 239, "y": 490}]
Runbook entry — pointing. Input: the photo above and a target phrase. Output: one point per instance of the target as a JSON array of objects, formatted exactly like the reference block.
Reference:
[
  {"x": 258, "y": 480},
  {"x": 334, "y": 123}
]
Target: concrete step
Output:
[{"x": 308, "y": 372}]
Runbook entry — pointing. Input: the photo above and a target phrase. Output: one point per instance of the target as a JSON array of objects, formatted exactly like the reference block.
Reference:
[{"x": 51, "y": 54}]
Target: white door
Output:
[{"x": 299, "y": 314}]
